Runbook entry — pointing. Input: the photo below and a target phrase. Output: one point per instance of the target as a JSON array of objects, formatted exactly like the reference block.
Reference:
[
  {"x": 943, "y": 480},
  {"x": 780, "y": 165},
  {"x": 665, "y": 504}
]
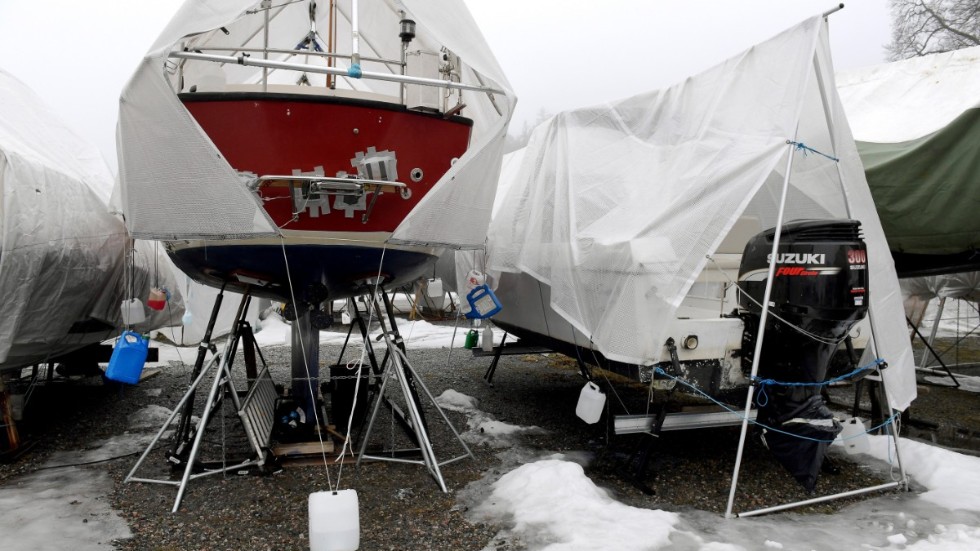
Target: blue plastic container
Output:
[
  {"x": 128, "y": 357},
  {"x": 483, "y": 303}
]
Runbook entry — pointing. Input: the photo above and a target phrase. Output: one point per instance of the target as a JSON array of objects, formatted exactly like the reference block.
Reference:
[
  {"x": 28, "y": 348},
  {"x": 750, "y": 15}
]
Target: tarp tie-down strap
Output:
[
  {"x": 762, "y": 398},
  {"x": 800, "y": 146}
]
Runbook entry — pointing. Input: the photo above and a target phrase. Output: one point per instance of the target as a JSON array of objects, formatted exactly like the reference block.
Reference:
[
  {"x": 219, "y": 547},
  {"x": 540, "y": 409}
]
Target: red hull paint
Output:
[{"x": 266, "y": 134}]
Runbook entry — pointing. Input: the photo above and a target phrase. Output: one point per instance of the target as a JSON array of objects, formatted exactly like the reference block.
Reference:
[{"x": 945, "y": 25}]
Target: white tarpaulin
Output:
[
  {"x": 617, "y": 207},
  {"x": 965, "y": 286},
  {"x": 173, "y": 179},
  {"x": 63, "y": 253},
  {"x": 905, "y": 100}
]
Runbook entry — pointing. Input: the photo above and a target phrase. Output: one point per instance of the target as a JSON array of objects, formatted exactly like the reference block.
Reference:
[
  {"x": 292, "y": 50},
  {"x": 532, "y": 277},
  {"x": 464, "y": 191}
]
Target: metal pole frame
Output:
[
  {"x": 932, "y": 333},
  {"x": 404, "y": 373},
  {"x": 763, "y": 318},
  {"x": 318, "y": 69},
  {"x": 903, "y": 481},
  {"x": 822, "y": 87},
  {"x": 222, "y": 376}
]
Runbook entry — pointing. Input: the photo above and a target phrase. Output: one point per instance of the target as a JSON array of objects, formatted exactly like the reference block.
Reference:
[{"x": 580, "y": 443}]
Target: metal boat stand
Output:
[
  {"x": 929, "y": 349},
  {"x": 509, "y": 349},
  {"x": 408, "y": 382},
  {"x": 255, "y": 410}
]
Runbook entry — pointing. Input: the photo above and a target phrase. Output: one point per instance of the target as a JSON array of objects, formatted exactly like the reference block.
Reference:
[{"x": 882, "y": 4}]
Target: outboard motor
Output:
[{"x": 819, "y": 292}]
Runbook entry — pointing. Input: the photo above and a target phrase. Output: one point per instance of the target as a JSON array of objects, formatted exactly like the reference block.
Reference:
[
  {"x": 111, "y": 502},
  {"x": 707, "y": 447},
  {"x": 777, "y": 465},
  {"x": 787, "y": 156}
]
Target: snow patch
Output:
[
  {"x": 553, "y": 505},
  {"x": 952, "y": 479},
  {"x": 59, "y": 509},
  {"x": 457, "y": 401},
  {"x": 483, "y": 428}
]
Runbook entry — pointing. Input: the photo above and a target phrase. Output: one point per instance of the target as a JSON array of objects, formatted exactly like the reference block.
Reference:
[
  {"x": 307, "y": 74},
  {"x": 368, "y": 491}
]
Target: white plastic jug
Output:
[
  {"x": 132, "y": 311},
  {"x": 590, "y": 403},
  {"x": 854, "y": 437},
  {"x": 487, "y": 340},
  {"x": 433, "y": 288},
  {"x": 335, "y": 524}
]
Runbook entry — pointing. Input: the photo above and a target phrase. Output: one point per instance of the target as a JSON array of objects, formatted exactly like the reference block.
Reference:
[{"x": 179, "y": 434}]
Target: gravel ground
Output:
[{"x": 401, "y": 507}]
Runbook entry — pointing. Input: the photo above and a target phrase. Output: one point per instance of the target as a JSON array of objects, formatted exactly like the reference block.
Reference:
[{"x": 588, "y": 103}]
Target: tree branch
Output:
[{"x": 942, "y": 23}]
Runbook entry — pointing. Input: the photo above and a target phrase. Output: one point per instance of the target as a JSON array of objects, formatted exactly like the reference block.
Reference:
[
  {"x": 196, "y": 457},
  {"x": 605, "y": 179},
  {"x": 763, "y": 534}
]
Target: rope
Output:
[
  {"x": 802, "y": 147},
  {"x": 762, "y": 398},
  {"x": 360, "y": 363},
  {"x": 602, "y": 371},
  {"x": 742, "y": 416},
  {"x": 796, "y": 328}
]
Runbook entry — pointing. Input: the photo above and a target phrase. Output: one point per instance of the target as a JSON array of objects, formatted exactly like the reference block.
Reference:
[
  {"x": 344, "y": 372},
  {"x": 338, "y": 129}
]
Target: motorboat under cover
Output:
[
  {"x": 63, "y": 252},
  {"x": 917, "y": 126},
  {"x": 963, "y": 286},
  {"x": 619, "y": 207},
  {"x": 173, "y": 179}
]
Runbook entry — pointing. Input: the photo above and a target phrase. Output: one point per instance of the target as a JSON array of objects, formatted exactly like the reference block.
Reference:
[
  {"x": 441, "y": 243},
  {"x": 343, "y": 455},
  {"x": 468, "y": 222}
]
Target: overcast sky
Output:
[{"x": 558, "y": 54}]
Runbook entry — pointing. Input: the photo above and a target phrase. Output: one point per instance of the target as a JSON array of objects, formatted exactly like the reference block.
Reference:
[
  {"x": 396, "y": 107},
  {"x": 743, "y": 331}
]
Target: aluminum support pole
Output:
[
  {"x": 821, "y": 499},
  {"x": 762, "y": 330},
  {"x": 932, "y": 333}
]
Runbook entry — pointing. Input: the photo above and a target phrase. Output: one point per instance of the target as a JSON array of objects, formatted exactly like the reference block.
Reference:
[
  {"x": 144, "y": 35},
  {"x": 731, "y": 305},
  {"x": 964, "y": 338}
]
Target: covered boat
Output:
[
  {"x": 917, "y": 126},
  {"x": 303, "y": 149},
  {"x": 64, "y": 267},
  {"x": 629, "y": 228}
]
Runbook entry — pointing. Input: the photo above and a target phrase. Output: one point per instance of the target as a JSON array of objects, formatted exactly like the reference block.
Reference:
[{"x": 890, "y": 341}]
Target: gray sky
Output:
[{"x": 558, "y": 54}]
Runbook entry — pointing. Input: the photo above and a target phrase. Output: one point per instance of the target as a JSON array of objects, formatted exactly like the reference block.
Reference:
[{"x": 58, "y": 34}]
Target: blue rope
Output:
[
  {"x": 762, "y": 398},
  {"x": 724, "y": 406},
  {"x": 800, "y": 146}
]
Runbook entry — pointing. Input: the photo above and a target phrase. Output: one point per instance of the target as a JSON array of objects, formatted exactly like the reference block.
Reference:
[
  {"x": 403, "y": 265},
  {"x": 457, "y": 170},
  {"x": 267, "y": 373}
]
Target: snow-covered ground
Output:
[
  {"x": 549, "y": 504},
  {"x": 544, "y": 499},
  {"x": 59, "y": 508}
]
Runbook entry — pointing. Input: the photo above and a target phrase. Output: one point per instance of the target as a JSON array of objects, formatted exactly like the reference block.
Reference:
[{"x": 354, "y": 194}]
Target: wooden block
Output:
[
  {"x": 149, "y": 372},
  {"x": 303, "y": 448}
]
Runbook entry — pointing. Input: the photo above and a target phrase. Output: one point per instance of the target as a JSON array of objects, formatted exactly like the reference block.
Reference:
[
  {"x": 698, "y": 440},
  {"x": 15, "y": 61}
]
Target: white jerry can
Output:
[
  {"x": 590, "y": 403},
  {"x": 335, "y": 524},
  {"x": 854, "y": 437}
]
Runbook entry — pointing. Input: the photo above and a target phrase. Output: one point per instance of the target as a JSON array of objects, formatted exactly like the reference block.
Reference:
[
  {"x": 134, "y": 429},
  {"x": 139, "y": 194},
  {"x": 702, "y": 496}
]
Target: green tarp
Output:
[{"x": 927, "y": 192}]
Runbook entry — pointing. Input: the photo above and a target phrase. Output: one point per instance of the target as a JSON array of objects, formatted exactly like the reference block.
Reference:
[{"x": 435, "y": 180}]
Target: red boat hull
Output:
[{"x": 330, "y": 241}]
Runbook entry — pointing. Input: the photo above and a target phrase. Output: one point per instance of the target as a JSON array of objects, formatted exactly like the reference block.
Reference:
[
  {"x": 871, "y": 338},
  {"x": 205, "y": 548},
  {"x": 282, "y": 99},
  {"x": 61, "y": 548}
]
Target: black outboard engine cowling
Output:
[{"x": 819, "y": 292}]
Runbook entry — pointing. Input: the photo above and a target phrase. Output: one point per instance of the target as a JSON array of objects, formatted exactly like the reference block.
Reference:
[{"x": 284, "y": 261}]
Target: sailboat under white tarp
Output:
[{"x": 303, "y": 148}]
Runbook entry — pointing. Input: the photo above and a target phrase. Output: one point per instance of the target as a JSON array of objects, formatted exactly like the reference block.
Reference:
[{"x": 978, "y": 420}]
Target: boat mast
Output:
[
  {"x": 355, "y": 55},
  {"x": 267, "y": 7},
  {"x": 331, "y": 38}
]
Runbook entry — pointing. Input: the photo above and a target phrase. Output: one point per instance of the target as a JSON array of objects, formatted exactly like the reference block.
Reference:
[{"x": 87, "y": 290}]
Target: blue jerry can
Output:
[
  {"x": 483, "y": 303},
  {"x": 128, "y": 357}
]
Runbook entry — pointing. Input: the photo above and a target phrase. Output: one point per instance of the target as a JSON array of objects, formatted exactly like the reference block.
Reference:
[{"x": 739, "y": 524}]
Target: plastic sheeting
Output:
[
  {"x": 965, "y": 286},
  {"x": 617, "y": 207},
  {"x": 62, "y": 274},
  {"x": 905, "y": 100},
  {"x": 173, "y": 179}
]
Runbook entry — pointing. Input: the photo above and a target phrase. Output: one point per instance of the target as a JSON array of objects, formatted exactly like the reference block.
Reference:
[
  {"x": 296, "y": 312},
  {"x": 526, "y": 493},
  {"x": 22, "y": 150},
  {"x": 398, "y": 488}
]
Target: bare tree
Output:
[
  {"x": 515, "y": 142},
  {"x": 921, "y": 27}
]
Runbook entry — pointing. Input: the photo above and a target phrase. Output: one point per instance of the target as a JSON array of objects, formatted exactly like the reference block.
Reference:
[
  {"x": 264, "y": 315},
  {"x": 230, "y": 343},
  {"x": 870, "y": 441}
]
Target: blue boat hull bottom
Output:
[{"x": 317, "y": 272}]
